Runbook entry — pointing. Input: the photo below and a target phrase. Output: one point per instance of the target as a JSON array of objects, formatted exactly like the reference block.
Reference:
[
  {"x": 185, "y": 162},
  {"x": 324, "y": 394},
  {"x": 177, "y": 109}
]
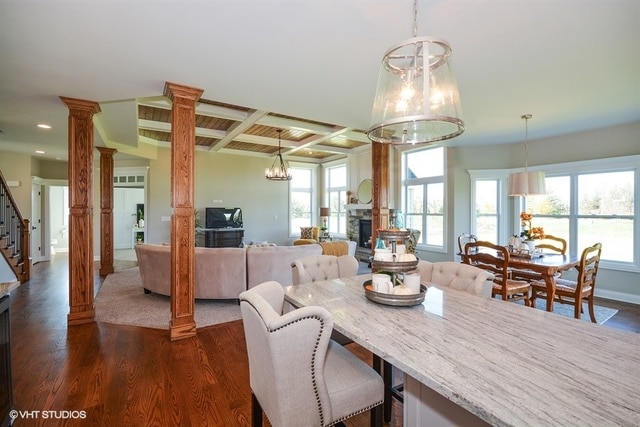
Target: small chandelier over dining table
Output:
[
  {"x": 417, "y": 98},
  {"x": 279, "y": 170}
]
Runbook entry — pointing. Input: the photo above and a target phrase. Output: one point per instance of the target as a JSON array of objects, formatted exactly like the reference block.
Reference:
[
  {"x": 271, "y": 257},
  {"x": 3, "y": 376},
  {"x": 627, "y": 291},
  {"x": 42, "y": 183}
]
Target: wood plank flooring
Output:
[{"x": 128, "y": 376}]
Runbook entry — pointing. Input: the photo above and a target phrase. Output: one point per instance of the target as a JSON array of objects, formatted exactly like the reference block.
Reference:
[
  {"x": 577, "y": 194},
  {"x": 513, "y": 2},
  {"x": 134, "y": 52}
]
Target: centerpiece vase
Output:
[{"x": 531, "y": 244}]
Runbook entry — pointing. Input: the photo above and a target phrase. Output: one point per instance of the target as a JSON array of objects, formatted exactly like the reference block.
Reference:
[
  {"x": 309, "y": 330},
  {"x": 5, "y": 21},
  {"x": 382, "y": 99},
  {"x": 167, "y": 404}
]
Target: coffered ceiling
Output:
[
  {"x": 233, "y": 129},
  {"x": 307, "y": 67}
]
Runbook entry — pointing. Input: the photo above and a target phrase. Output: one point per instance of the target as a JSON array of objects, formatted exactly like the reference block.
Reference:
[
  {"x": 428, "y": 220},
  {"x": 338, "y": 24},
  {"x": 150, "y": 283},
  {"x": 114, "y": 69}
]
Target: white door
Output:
[
  {"x": 124, "y": 215},
  {"x": 37, "y": 254}
]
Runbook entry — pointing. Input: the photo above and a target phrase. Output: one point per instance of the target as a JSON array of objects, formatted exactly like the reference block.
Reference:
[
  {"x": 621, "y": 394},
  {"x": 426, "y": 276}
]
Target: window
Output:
[
  {"x": 603, "y": 211},
  {"x": 487, "y": 213},
  {"x": 423, "y": 194},
  {"x": 300, "y": 195},
  {"x": 586, "y": 202},
  {"x": 336, "y": 184}
]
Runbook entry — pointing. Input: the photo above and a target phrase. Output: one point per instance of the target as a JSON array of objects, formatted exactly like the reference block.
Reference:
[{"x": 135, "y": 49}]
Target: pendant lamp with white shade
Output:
[{"x": 526, "y": 183}]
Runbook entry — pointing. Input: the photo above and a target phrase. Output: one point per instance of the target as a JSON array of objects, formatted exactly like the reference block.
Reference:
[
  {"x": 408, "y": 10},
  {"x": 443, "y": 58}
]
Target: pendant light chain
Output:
[
  {"x": 415, "y": 18},
  {"x": 526, "y": 118}
]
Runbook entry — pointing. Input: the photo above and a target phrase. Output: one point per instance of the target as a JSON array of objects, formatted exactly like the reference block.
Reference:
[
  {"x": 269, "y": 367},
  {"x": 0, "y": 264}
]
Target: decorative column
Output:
[
  {"x": 80, "y": 209},
  {"x": 106, "y": 210},
  {"x": 183, "y": 142},
  {"x": 380, "y": 193}
]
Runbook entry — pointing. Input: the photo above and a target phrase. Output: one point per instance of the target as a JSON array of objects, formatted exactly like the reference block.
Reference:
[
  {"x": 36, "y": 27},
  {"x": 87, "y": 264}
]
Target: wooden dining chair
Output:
[
  {"x": 574, "y": 292},
  {"x": 549, "y": 243},
  {"x": 495, "y": 259},
  {"x": 463, "y": 239}
]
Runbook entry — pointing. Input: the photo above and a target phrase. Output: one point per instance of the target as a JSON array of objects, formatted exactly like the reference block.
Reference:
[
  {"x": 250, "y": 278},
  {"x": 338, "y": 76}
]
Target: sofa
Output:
[
  {"x": 456, "y": 275},
  {"x": 221, "y": 273}
]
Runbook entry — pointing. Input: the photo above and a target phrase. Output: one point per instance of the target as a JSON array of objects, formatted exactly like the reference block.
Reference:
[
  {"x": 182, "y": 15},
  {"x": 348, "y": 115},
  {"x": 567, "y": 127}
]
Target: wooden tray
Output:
[
  {"x": 394, "y": 300},
  {"x": 394, "y": 266},
  {"x": 525, "y": 255}
]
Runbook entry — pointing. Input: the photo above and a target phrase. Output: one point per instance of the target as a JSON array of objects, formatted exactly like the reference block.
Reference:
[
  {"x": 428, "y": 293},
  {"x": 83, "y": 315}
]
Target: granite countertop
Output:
[
  {"x": 7, "y": 287},
  {"x": 505, "y": 363}
]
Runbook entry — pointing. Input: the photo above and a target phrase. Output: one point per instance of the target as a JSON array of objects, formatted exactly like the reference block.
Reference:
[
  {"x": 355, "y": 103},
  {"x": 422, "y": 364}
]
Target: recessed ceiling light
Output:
[
  {"x": 39, "y": 151},
  {"x": 43, "y": 126}
]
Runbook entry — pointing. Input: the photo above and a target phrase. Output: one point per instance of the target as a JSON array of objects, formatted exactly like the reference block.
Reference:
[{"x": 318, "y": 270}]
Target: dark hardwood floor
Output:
[{"x": 128, "y": 376}]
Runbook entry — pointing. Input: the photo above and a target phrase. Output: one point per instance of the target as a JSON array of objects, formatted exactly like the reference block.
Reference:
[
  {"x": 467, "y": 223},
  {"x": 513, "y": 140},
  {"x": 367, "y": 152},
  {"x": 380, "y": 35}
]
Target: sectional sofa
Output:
[{"x": 222, "y": 273}]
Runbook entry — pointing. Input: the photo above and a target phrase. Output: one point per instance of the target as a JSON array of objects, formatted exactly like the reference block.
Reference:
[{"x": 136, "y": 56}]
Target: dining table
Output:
[
  {"x": 548, "y": 265},
  {"x": 469, "y": 360}
]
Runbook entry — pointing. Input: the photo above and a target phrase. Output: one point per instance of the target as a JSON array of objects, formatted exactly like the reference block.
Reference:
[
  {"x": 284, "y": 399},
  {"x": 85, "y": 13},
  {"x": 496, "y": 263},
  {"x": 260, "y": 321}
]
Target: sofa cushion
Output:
[
  {"x": 220, "y": 272},
  {"x": 274, "y": 263}
]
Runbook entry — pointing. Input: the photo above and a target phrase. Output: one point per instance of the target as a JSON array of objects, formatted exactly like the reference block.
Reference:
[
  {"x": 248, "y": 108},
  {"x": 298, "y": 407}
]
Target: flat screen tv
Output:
[{"x": 223, "y": 218}]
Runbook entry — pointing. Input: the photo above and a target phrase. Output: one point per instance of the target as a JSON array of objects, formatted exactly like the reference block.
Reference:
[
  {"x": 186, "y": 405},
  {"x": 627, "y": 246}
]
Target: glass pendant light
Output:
[{"x": 417, "y": 98}]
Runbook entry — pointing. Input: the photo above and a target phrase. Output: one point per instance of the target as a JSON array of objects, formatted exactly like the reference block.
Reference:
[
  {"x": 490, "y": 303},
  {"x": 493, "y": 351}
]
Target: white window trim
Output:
[
  {"x": 424, "y": 181},
  {"x": 314, "y": 189}
]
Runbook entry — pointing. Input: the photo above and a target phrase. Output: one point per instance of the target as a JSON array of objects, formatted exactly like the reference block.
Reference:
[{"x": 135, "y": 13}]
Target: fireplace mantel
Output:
[{"x": 351, "y": 207}]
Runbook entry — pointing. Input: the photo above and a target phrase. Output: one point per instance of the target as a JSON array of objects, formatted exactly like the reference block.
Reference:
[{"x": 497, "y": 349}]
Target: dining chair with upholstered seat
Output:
[
  {"x": 315, "y": 268},
  {"x": 298, "y": 375},
  {"x": 574, "y": 292},
  {"x": 323, "y": 267},
  {"x": 495, "y": 259}
]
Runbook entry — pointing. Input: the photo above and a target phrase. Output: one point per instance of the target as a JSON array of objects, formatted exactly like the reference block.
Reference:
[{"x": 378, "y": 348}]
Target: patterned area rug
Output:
[
  {"x": 602, "y": 313},
  {"x": 122, "y": 301}
]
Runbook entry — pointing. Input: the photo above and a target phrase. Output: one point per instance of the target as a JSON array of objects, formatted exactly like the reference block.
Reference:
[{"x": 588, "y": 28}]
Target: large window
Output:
[
  {"x": 590, "y": 207},
  {"x": 423, "y": 194},
  {"x": 586, "y": 202},
  {"x": 301, "y": 196},
  {"x": 336, "y": 185}
]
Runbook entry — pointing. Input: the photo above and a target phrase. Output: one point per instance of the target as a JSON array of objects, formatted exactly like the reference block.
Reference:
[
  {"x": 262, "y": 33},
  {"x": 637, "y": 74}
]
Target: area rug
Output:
[
  {"x": 122, "y": 301},
  {"x": 602, "y": 313}
]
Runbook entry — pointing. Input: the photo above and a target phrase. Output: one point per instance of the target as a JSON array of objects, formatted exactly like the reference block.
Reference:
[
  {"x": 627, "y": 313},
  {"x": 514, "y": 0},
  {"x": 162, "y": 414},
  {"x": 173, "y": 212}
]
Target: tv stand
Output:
[{"x": 223, "y": 237}]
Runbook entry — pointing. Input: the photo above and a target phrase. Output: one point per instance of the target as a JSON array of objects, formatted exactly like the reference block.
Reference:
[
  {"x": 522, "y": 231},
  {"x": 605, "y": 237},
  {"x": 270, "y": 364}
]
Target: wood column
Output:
[
  {"x": 80, "y": 209},
  {"x": 183, "y": 143},
  {"x": 380, "y": 193},
  {"x": 106, "y": 210}
]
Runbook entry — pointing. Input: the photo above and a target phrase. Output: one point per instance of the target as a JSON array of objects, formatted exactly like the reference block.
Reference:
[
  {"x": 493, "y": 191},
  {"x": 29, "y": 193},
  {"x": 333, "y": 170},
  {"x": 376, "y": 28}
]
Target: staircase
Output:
[{"x": 14, "y": 234}]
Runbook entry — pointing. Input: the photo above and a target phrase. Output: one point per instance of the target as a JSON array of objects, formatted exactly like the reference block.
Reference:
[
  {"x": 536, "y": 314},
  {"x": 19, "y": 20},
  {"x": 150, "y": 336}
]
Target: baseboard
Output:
[{"x": 618, "y": 296}]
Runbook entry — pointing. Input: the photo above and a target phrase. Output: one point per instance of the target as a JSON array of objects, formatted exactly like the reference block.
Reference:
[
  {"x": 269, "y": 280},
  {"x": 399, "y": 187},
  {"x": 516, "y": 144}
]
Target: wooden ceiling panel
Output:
[{"x": 254, "y": 148}]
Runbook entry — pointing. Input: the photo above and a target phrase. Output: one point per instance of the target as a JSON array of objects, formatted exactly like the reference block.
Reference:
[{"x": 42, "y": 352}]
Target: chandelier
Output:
[
  {"x": 417, "y": 98},
  {"x": 279, "y": 170},
  {"x": 526, "y": 183}
]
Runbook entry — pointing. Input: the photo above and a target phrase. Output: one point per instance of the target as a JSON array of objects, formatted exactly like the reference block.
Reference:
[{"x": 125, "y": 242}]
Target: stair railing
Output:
[{"x": 14, "y": 234}]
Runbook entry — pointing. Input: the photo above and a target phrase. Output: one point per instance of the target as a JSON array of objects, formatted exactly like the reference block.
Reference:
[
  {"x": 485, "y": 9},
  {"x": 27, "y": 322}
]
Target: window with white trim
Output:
[
  {"x": 423, "y": 194},
  {"x": 301, "y": 199},
  {"x": 336, "y": 185}
]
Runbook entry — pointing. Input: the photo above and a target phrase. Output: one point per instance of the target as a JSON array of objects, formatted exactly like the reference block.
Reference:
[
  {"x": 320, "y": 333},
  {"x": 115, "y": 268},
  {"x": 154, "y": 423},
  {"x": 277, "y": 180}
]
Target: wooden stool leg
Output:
[{"x": 256, "y": 412}]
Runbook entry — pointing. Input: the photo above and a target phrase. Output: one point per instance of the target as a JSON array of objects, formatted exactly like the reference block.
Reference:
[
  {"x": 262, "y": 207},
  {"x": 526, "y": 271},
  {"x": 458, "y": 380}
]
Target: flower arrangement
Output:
[{"x": 529, "y": 232}]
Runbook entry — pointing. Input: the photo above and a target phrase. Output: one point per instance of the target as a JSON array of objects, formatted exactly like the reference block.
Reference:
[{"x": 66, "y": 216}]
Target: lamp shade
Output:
[
  {"x": 325, "y": 211},
  {"x": 527, "y": 183},
  {"x": 417, "y": 98}
]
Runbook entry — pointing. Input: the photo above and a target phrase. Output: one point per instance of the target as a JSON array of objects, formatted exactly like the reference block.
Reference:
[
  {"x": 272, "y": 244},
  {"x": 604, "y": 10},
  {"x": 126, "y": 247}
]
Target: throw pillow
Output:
[{"x": 306, "y": 232}]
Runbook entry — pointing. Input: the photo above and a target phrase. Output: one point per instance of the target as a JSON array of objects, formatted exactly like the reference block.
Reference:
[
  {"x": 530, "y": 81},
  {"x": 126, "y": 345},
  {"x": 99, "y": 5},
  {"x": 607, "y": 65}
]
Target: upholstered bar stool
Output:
[{"x": 298, "y": 375}]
